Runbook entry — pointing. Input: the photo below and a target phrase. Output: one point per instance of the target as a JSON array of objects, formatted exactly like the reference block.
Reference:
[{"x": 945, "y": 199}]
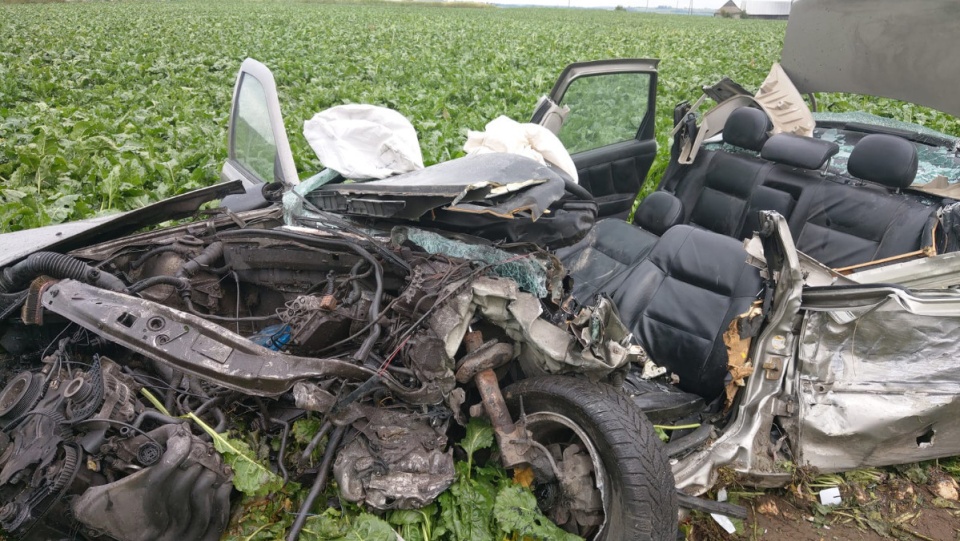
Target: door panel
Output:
[
  {"x": 614, "y": 174},
  {"x": 609, "y": 129},
  {"x": 258, "y": 150}
]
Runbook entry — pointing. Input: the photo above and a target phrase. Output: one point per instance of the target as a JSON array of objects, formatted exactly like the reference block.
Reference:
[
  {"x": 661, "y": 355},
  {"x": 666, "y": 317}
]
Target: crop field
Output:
[{"x": 108, "y": 106}]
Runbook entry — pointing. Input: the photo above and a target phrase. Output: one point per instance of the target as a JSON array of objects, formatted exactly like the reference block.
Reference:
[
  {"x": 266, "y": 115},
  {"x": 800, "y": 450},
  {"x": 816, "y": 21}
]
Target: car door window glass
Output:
[
  {"x": 604, "y": 109},
  {"x": 253, "y": 141}
]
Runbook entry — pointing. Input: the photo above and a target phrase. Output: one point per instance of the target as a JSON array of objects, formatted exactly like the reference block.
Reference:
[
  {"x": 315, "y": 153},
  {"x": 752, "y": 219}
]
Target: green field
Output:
[{"x": 108, "y": 106}]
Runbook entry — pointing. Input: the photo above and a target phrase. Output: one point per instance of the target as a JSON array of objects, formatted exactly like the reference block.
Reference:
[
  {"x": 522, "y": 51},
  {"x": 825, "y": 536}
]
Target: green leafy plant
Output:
[{"x": 249, "y": 475}]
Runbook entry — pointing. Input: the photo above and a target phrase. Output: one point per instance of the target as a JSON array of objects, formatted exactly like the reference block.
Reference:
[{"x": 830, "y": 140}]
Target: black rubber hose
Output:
[
  {"x": 60, "y": 266},
  {"x": 150, "y": 415},
  {"x": 308, "y": 450},
  {"x": 221, "y": 420},
  {"x": 281, "y": 454},
  {"x": 318, "y": 485},
  {"x": 179, "y": 283},
  {"x": 193, "y": 309},
  {"x": 207, "y": 257},
  {"x": 137, "y": 263}
]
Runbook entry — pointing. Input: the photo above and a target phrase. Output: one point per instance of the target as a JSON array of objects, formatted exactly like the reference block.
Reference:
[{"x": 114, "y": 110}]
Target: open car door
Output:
[
  {"x": 258, "y": 151},
  {"x": 604, "y": 114}
]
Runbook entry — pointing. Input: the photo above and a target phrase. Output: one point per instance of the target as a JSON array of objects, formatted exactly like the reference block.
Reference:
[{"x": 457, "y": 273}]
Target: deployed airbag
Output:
[
  {"x": 533, "y": 141},
  {"x": 364, "y": 141}
]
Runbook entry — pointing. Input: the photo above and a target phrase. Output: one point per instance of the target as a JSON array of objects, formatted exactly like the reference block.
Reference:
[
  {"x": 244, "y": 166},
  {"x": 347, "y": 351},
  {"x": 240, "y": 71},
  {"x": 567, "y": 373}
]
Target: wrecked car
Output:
[{"x": 786, "y": 298}]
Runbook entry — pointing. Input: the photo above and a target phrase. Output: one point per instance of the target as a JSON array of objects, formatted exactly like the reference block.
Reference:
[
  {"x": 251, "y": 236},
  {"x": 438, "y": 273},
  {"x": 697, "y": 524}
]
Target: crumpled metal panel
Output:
[
  {"x": 879, "y": 384},
  {"x": 394, "y": 460},
  {"x": 551, "y": 348},
  {"x": 501, "y": 185}
]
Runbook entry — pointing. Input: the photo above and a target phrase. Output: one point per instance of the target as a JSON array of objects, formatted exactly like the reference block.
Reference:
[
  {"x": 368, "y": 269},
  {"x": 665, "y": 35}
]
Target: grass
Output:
[{"x": 131, "y": 105}]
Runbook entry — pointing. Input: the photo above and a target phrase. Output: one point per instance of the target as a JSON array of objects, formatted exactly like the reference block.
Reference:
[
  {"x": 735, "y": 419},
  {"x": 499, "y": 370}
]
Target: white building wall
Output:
[{"x": 765, "y": 7}]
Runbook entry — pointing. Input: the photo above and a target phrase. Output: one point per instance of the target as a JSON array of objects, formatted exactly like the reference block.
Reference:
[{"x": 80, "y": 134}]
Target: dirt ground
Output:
[{"x": 895, "y": 508}]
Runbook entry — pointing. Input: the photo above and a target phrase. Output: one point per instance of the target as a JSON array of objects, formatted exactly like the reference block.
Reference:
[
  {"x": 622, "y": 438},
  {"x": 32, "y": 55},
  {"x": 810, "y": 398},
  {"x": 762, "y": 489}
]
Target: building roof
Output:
[{"x": 729, "y": 7}]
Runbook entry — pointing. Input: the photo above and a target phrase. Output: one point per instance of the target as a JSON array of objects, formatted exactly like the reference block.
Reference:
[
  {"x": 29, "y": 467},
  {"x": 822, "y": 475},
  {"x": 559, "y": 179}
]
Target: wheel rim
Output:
[{"x": 566, "y": 502}]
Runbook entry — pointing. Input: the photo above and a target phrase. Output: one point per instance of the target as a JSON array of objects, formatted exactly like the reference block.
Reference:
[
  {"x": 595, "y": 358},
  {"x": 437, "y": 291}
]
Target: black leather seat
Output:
[
  {"x": 681, "y": 297},
  {"x": 797, "y": 163},
  {"x": 611, "y": 246},
  {"x": 723, "y": 203},
  {"x": 843, "y": 222}
]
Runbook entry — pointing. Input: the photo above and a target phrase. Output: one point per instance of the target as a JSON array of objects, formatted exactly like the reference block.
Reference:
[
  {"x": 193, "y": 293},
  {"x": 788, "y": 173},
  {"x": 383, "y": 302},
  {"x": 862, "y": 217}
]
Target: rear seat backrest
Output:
[
  {"x": 723, "y": 203},
  {"x": 842, "y": 223},
  {"x": 795, "y": 156}
]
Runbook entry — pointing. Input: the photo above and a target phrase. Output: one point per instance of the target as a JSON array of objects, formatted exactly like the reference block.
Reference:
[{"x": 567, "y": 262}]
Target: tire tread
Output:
[{"x": 647, "y": 501}]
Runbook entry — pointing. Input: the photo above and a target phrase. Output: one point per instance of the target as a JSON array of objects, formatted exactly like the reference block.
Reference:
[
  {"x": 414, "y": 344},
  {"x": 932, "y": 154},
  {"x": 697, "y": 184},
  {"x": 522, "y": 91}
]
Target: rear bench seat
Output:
[
  {"x": 840, "y": 221},
  {"x": 845, "y": 222}
]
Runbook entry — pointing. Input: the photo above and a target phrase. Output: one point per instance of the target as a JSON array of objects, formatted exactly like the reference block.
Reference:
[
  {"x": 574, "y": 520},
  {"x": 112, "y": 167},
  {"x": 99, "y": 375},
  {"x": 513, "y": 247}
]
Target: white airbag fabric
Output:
[
  {"x": 364, "y": 141},
  {"x": 533, "y": 141}
]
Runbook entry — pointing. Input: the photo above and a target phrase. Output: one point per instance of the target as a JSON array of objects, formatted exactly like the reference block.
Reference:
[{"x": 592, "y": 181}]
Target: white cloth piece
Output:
[
  {"x": 503, "y": 134},
  {"x": 364, "y": 141}
]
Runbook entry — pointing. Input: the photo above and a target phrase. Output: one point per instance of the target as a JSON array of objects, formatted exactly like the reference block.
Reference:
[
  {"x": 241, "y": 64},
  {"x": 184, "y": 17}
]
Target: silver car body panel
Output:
[
  {"x": 887, "y": 48},
  {"x": 877, "y": 377},
  {"x": 17, "y": 245}
]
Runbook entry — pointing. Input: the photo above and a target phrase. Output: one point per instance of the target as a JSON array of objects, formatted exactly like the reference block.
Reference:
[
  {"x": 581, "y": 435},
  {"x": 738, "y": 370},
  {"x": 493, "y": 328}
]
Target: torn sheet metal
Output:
[
  {"x": 939, "y": 271},
  {"x": 878, "y": 381},
  {"x": 600, "y": 330},
  {"x": 394, "y": 460},
  {"x": 550, "y": 347}
]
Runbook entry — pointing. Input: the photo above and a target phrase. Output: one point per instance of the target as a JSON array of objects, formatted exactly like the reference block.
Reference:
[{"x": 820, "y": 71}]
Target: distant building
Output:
[
  {"x": 729, "y": 11},
  {"x": 766, "y": 9}
]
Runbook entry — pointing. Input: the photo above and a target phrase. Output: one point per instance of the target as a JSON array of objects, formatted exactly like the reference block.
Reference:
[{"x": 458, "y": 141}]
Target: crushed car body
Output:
[{"x": 785, "y": 299}]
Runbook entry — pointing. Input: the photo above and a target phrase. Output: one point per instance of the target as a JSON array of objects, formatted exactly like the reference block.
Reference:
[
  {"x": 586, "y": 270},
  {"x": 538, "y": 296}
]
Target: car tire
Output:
[{"x": 641, "y": 499}]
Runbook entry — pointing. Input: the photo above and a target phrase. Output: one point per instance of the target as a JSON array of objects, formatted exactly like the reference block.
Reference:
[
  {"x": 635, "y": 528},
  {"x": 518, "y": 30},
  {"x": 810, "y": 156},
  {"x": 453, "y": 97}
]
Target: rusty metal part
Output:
[
  {"x": 32, "y": 311},
  {"x": 472, "y": 341},
  {"x": 511, "y": 439},
  {"x": 328, "y": 303},
  {"x": 506, "y": 431},
  {"x": 489, "y": 356},
  {"x": 489, "y": 387}
]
